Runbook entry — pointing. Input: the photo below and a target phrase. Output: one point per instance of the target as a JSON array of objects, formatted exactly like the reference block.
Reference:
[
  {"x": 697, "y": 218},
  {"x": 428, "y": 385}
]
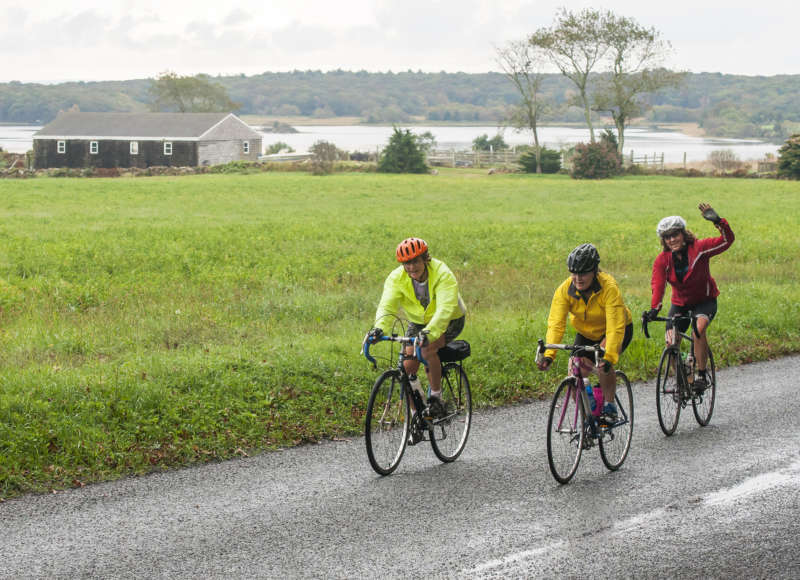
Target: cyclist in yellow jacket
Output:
[
  {"x": 597, "y": 312},
  {"x": 426, "y": 289}
]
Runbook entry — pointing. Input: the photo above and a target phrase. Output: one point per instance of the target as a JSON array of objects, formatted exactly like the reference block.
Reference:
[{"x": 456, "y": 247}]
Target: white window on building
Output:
[
  {"x": 62, "y": 146},
  {"x": 93, "y": 148},
  {"x": 246, "y": 147},
  {"x": 134, "y": 147},
  {"x": 167, "y": 147}
]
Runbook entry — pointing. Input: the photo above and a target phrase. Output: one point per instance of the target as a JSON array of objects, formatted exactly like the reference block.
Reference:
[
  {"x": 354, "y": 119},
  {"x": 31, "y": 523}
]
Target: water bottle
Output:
[
  {"x": 689, "y": 367},
  {"x": 590, "y": 394}
]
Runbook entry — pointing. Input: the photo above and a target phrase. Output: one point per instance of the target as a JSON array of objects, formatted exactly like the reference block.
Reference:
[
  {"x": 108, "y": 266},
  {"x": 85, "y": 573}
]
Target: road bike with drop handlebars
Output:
[{"x": 398, "y": 416}]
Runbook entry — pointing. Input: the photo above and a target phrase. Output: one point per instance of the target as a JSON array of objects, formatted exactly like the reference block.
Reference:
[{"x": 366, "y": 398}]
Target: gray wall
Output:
[{"x": 217, "y": 152}]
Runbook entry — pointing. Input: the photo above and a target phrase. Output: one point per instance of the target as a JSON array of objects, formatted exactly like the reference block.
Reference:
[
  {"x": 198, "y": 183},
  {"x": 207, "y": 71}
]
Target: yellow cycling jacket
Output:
[
  {"x": 603, "y": 314},
  {"x": 445, "y": 304}
]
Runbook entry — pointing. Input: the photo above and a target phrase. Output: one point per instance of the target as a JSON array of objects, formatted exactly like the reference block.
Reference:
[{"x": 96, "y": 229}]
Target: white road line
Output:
[
  {"x": 758, "y": 484},
  {"x": 514, "y": 558}
]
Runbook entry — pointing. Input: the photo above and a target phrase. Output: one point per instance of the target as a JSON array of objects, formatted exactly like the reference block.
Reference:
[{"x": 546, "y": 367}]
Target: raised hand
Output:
[{"x": 709, "y": 213}]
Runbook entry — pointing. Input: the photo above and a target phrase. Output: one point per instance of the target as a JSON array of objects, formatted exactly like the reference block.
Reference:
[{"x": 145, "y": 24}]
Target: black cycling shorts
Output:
[
  {"x": 453, "y": 329},
  {"x": 626, "y": 340},
  {"x": 707, "y": 309}
]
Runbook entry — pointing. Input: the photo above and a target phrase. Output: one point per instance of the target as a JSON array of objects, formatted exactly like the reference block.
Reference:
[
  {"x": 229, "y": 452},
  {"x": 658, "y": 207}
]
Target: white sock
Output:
[{"x": 437, "y": 394}]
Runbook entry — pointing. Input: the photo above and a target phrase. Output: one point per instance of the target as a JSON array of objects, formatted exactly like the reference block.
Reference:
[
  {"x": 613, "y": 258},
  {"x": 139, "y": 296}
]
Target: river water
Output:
[{"x": 365, "y": 138}]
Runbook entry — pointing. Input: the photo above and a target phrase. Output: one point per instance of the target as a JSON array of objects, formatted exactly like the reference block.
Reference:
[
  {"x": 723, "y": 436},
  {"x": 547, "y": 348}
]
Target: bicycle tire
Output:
[
  {"x": 386, "y": 424},
  {"x": 616, "y": 442},
  {"x": 703, "y": 406},
  {"x": 449, "y": 435},
  {"x": 668, "y": 393},
  {"x": 566, "y": 431}
]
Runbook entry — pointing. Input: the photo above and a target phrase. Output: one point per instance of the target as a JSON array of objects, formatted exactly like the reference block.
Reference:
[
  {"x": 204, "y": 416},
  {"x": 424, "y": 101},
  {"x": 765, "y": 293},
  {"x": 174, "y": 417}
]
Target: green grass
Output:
[{"x": 153, "y": 322}]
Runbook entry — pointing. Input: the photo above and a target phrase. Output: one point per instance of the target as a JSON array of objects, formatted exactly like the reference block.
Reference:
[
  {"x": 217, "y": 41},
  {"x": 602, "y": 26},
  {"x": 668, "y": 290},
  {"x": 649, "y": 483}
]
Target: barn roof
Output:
[{"x": 142, "y": 126}]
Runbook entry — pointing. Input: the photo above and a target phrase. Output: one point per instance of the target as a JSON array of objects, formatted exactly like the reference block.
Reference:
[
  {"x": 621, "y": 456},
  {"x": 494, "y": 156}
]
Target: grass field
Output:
[{"x": 154, "y": 322}]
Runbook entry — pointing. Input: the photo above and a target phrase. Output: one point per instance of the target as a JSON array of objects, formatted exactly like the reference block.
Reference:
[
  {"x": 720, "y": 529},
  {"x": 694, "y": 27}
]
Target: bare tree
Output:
[
  {"x": 634, "y": 53},
  {"x": 576, "y": 45},
  {"x": 522, "y": 63}
]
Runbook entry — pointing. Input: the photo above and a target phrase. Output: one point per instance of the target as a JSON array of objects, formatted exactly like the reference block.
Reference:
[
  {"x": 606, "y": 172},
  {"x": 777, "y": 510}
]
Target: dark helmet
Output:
[
  {"x": 582, "y": 259},
  {"x": 410, "y": 248}
]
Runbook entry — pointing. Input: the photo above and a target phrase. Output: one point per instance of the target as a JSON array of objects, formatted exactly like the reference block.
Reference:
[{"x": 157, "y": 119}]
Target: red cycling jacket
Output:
[{"x": 698, "y": 285}]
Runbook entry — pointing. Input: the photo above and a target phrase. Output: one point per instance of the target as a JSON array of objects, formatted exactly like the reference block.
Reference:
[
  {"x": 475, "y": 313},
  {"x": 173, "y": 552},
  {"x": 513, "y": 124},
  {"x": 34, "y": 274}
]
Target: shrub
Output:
[
  {"x": 403, "y": 154},
  {"x": 724, "y": 160},
  {"x": 324, "y": 154},
  {"x": 551, "y": 160},
  {"x": 595, "y": 160},
  {"x": 278, "y": 147},
  {"x": 483, "y": 143},
  {"x": 789, "y": 158}
]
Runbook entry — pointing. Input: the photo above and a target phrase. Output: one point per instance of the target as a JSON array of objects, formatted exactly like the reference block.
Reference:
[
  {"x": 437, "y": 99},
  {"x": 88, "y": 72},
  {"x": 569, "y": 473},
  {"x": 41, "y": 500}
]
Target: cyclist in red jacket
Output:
[{"x": 684, "y": 263}]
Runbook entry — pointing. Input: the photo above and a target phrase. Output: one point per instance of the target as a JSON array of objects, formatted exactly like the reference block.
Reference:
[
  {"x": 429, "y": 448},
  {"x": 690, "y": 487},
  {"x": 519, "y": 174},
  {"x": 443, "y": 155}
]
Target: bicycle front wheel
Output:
[
  {"x": 449, "y": 434},
  {"x": 386, "y": 425},
  {"x": 565, "y": 431},
  {"x": 703, "y": 403},
  {"x": 668, "y": 393},
  {"x": 616, "y": 441}
]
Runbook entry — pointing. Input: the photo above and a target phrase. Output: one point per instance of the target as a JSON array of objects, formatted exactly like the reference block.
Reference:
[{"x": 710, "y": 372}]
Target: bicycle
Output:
[
  {"x": 571, "y": 424},
  {"x": 675, "y": 382},
  {"x": 388, "y": 431}
]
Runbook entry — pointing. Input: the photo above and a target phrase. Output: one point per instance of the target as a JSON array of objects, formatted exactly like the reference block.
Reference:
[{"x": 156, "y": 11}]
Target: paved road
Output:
[{"x": 721, "y": 501}]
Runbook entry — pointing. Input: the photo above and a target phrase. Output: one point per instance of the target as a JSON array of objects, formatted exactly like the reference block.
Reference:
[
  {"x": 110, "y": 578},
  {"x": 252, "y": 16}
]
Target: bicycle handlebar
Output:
[
  {"x": 415, "y": 341},
  {"x": 673, "y": 319},
  {"x": 597, "y": 350}
]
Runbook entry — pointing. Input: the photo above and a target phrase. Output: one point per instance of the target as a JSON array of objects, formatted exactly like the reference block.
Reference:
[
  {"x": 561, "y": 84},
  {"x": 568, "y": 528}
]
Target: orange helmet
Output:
[{"x": 410, "y": 248}]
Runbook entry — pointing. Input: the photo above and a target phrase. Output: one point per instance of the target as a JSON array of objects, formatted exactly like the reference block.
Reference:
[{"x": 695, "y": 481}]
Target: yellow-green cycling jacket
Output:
[
  {"x": 603, "y": 314},
  {"x": 445, "y": 304}
]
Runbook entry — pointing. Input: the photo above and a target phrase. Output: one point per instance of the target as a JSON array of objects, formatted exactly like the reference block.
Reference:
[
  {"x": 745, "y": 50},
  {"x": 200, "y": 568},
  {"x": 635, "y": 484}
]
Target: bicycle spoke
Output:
[
  {"x": 449, "y": 434},
  {"x": 386, "y": 427},
  {"x": 565, "y": 431},
  {"x": 668, "y": 392}
]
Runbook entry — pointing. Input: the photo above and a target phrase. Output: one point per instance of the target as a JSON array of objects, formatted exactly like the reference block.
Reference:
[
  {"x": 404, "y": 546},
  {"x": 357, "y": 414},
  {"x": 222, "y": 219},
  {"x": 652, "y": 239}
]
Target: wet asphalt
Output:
[{"x": 721, "y": 501}]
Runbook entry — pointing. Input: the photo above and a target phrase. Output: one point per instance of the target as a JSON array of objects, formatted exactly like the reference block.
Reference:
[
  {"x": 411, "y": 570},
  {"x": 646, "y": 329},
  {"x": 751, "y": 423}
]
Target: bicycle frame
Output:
[
  {"x": 675, "y": 345},
  {"x": 574, "y": 372}
]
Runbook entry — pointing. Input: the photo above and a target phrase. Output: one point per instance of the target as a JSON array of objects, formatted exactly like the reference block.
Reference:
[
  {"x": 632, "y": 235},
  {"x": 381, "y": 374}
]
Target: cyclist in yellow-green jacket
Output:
[
  {"x": 596, "y": 310},
  {"x": 427, "y": 291}
]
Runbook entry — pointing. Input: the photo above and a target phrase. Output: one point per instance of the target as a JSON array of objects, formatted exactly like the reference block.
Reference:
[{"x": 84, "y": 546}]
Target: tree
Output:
[
  {"x": 197, "y": 94},
  {"x": 634, "y": 53},
  {"x": 789, "y": 158},
  {"x": 483, "y": 143},
  {"x": 576, "y": 45},
  {"x": 323, "y": 156},
  {"x": 403, "y": 154},
  {"x": 521, "y": 63}
]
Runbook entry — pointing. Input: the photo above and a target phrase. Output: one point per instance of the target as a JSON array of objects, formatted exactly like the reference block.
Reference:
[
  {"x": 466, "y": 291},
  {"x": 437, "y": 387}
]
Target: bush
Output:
[
  {"x": 789, "y": 158},
  {"x": 724, "y": 160},
  {"x": 595, "y": 160},
  {"x": 403, "y": 154},
  {"x": 483, "y": 143},
  {"x": 551, "y": 160},
  {"x": 278, "y": 147},
  {"x": 324, "y": 155}
]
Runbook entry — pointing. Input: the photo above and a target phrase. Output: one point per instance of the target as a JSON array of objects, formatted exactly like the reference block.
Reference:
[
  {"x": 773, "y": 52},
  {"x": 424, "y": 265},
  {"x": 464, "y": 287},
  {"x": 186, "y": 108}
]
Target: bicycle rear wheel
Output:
[
  {"x": 449, "y": 434},
  {"x": 703, "y": 404},
  {"x": 565, "y": 431},
  {"x": 668, "y": 394},
  {"x": 386, "y": 425},
  {"x": 616, "y": 441}
]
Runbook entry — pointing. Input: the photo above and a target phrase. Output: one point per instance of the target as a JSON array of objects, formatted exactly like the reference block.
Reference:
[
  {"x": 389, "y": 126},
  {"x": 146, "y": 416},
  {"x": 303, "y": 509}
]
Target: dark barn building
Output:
[{"x": 144, "y": 139}]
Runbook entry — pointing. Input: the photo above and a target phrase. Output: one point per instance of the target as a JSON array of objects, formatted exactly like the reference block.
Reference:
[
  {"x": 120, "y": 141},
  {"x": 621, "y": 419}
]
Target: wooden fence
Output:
[
  {"x": 453, "y": 158},
  {"x": 652, "y": 159}
]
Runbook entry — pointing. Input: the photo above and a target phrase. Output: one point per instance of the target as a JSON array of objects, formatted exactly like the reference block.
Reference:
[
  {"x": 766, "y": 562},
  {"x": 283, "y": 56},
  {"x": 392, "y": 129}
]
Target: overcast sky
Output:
[{"x": 54, "y": 40}]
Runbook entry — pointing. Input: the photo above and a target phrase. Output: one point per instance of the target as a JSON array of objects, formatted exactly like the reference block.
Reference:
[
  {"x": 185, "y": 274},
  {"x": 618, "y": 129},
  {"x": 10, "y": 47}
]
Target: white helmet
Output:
[{"x": 673, "y": 222}]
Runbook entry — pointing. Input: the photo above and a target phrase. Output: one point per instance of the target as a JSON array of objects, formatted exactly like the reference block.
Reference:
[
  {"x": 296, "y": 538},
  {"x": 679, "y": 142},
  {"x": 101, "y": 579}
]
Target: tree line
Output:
[{"x": 724, "y": 105}]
